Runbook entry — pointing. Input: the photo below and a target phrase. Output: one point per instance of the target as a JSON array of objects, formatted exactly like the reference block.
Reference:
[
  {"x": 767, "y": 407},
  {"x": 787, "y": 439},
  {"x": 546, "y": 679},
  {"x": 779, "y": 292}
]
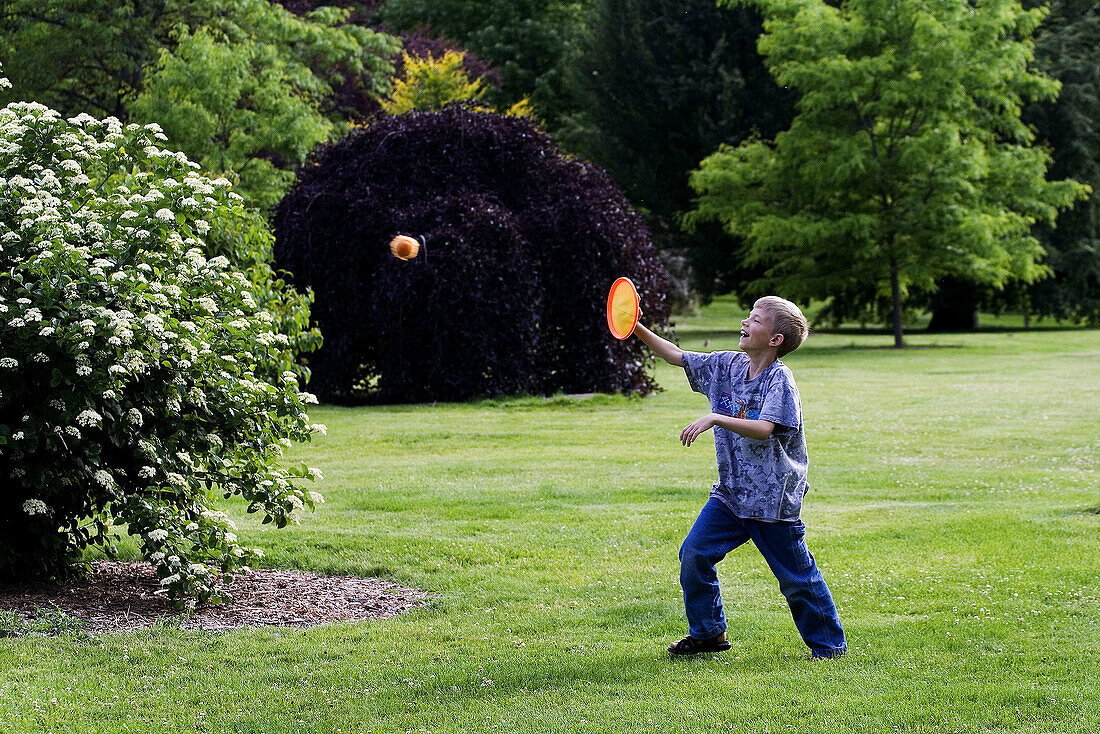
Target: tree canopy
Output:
[
  {"x": 656, "y": 85},
  {"x": 244, "y": 86},
  {"x": 1068, "y": 48},
  {"x": 660, "y": 83},
  {"x": 907, "y": 159}
]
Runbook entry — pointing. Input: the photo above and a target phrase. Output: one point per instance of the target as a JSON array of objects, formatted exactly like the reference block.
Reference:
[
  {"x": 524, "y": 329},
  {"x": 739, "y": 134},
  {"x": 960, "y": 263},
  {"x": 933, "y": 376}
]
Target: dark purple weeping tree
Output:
[{"x": 507, "y": 296}]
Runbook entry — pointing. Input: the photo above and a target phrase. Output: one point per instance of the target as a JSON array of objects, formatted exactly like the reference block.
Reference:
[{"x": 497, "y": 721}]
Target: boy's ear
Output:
[{"x": 776, "y": 340}]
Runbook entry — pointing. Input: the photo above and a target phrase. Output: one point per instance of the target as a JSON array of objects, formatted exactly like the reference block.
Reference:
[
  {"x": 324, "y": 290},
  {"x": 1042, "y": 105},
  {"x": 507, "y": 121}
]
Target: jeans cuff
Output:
[
  {"x": 707, "y": 635},
  {"x": 828, "y": 652}
]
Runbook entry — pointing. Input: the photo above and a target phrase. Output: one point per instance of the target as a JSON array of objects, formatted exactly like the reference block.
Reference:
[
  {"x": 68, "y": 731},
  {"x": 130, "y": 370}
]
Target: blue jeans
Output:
[{"x": 718, "y": 531}]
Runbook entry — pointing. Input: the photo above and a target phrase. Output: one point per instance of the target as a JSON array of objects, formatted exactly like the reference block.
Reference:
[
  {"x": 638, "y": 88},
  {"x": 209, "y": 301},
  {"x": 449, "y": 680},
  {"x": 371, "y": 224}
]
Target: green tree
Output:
[
  {"x": 525, "y": 39},
  {"x": 242, "y": 85},
  {"x": 1067, "y": 46},
  {"x": 907, "y": 160},
  {"x": 84, "y": 55},
  {"x": 655, "y": 86}
]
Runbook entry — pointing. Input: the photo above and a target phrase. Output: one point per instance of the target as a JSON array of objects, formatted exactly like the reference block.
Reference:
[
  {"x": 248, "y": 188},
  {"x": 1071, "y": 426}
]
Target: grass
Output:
[
  {"x": 50, "y": 622},
  {"x": 955, "y": 512}
]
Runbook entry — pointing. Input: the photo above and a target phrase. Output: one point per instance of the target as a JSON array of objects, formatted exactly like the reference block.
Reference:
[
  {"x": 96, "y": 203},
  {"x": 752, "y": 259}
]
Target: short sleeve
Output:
[
  {"x": 700, "y": 368},
  {"x": 782, "y": 403}
]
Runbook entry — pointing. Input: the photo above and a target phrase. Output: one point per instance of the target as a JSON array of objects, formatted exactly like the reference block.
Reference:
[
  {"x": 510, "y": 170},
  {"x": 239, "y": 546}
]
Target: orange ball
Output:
[{"x": 404, "y": 247}]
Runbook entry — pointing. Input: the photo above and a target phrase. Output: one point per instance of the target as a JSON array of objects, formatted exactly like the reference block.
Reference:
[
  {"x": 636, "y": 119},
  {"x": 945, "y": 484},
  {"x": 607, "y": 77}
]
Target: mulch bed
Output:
[{"x": 121, "y": 597}]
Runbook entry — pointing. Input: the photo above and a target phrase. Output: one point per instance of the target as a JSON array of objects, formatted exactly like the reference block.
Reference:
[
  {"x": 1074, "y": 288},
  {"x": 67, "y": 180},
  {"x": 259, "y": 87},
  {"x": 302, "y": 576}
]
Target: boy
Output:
[{"x": 757, "y": 420}]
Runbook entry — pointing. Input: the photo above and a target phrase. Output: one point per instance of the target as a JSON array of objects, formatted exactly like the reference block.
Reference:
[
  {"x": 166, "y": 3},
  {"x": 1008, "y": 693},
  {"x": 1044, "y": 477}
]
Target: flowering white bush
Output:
[{"x": 147, "y": 354}]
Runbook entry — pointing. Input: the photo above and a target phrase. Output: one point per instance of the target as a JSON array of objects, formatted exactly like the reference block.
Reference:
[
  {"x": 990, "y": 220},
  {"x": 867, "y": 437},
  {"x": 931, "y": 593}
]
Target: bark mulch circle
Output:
[{"x": 122, "y": 597}]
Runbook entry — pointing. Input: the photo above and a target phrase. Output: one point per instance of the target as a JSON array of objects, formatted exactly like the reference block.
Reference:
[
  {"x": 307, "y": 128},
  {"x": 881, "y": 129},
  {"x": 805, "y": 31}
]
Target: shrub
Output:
[
  {"x": 429, "y": 84},
  {"x": 146, "y": 354},
  {"x": 508, "y": 294},
  {"x": 422, "y": 45}
]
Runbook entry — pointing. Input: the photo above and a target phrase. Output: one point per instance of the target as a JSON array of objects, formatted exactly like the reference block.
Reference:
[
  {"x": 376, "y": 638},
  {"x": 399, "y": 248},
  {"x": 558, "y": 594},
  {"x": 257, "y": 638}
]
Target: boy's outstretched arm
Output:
[
  {"x": 662, "y": 347},
  {"x": 747, "y": 427}
]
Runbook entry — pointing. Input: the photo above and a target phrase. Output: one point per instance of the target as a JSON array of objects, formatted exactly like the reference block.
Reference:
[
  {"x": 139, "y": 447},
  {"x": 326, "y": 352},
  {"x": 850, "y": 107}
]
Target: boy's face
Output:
[{"x": 756, "y": 332}]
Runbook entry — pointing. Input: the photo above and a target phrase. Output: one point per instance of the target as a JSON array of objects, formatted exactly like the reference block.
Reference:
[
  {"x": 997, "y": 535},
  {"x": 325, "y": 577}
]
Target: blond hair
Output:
[{"x": 787, "y": 319}]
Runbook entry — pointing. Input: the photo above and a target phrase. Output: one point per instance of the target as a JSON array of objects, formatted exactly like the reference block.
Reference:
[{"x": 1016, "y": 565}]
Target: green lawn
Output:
[{"x": 955, "y": 512}]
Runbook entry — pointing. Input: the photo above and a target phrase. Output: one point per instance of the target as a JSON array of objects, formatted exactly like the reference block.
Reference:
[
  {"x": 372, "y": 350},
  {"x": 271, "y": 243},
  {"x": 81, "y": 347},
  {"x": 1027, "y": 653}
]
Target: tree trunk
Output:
[
  {"x": 895, "y": 293},
  {"x": 954, "y": 306}
]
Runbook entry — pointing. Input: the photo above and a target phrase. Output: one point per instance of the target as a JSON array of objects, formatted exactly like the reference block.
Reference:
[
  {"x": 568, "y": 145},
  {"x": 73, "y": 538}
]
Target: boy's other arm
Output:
[
  {"x": 662, "y": 347},
  {"x": 747, "y": 427}
]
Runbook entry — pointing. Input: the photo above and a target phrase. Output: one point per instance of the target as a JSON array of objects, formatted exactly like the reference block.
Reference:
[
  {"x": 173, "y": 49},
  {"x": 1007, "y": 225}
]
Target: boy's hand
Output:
[{"x": 699, "y": 426}]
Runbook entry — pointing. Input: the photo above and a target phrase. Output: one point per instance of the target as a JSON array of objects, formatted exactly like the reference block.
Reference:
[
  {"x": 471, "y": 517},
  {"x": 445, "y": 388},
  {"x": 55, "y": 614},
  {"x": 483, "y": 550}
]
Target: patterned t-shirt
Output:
[{"x": 761, "y": 480}]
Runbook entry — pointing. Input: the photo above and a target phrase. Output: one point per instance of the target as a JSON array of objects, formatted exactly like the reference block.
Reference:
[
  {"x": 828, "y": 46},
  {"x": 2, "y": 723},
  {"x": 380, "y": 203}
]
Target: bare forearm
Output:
[
  {"x": 749, "y": 428},
  {"x": 662, "y": 347}
]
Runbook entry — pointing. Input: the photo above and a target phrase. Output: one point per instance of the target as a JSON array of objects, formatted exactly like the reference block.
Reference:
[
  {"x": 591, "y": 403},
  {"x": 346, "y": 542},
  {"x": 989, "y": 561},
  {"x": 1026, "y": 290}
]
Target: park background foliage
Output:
[
  {"x": 644, "y": 88},
  {"x": 671, "y": 80},
  {"x": 244, "y": 87}
]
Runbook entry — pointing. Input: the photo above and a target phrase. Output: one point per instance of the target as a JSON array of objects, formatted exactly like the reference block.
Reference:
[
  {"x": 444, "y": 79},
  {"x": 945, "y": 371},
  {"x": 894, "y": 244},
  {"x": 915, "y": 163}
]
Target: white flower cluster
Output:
[
  {"x": 36, "y": 507},
  {"x": 157, "y": 535},
  {"x": 88, "y": 418}
]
